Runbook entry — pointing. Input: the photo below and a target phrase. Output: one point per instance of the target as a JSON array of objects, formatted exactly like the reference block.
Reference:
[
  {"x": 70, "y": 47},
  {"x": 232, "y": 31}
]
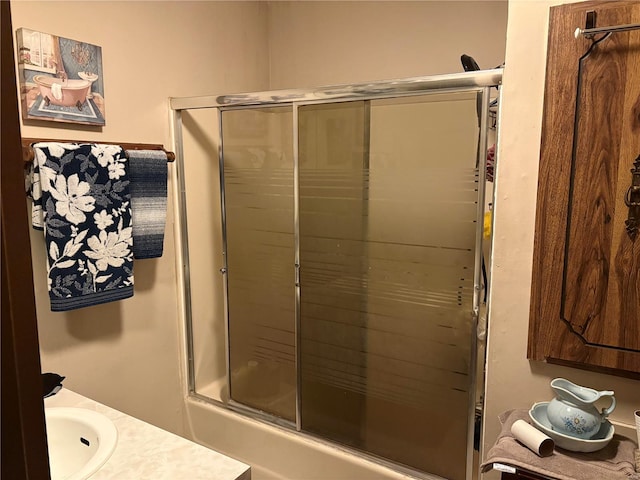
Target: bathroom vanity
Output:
[
  {"x": 144, "y": 451},
  {"x": 510, "y": 457},
  {"x": 522, "y": 474}
]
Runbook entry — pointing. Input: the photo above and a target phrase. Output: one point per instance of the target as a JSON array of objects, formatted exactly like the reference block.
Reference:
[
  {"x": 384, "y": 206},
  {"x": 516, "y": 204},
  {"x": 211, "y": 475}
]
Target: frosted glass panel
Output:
[
  {"x": 333, "y": 142},
  {"x": 258, "y": 182},
  {"x": 388, "y": 193}
]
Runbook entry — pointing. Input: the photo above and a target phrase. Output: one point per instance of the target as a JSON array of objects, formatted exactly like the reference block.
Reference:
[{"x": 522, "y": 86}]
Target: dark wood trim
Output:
[
  {"x": 520, "y": 475},
  {"x": 28, "y": 155},
  {"x": 585, "y": 275},
  {"x": 24, "y": 448}
]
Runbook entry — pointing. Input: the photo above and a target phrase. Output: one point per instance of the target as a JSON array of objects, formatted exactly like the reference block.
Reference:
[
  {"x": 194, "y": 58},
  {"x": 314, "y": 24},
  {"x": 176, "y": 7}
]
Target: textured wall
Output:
[
  {"x": 128, "y": 354},
  {"x": 323, "y": 43},
  {"x": 513, "y": 381}
]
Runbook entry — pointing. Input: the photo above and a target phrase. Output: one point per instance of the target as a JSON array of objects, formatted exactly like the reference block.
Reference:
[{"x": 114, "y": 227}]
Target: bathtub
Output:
[
  {"x": 276, "y": 453},
  {"x": 73, "y": 92}
]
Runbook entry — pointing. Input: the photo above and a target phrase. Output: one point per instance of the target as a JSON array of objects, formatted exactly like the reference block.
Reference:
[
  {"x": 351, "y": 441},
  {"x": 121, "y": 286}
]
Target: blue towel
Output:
[
  {"x": 81, "y": 200},
  {"x": 148, "y": 174}
]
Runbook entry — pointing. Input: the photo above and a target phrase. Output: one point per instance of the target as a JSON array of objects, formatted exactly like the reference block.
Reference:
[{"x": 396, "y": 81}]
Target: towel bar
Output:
[{"x": 28, "y": 155}]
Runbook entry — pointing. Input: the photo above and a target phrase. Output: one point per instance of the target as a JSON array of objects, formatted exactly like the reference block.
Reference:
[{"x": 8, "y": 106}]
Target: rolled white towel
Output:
[{"x": 56, "y": 91}]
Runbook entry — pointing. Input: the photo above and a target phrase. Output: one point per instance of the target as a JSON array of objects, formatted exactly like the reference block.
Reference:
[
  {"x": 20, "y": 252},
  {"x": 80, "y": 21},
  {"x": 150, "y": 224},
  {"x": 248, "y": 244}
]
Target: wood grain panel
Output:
[
  {"x": 592, "y": 184},
  {"x": 590, "y": 283},
  {"x": 585, "y": 300},
  {"x": 623, "y": 296}
]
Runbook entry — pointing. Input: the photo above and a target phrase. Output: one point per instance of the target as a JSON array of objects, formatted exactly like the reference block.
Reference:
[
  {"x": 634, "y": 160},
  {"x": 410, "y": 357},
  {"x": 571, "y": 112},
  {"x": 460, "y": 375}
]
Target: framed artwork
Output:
[{"x": 60, "y": 79}]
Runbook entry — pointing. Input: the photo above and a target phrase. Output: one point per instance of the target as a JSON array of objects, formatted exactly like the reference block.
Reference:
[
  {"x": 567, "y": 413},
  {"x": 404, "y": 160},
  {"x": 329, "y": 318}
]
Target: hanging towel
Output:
[
  {"x": 56, "y": 91},
  {"x": 148, "y": 174},
  {"x": 81, "y": 200}
]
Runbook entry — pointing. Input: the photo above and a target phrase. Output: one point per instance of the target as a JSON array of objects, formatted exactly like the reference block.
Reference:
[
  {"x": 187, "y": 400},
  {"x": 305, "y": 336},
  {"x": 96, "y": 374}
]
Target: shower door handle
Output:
[{"x": 297, "y": 279}]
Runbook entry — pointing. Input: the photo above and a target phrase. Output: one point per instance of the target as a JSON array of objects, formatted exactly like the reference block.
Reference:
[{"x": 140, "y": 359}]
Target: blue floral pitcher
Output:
[{"x": 573, "y": 412}]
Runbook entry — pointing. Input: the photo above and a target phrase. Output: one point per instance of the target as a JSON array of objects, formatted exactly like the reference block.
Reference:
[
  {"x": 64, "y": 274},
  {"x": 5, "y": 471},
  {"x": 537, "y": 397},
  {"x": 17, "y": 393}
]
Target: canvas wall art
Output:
[{"x": 60, "y": 78}]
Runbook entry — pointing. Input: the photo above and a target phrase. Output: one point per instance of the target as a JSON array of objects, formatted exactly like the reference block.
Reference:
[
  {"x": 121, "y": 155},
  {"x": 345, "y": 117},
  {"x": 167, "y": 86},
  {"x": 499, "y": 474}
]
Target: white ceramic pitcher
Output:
[{"x": 573, "y": 412}]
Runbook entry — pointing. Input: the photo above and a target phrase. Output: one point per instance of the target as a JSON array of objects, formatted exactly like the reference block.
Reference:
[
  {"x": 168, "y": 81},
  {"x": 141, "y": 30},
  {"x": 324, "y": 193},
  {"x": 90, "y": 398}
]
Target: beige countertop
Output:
[{"x": 144, "y": 451}]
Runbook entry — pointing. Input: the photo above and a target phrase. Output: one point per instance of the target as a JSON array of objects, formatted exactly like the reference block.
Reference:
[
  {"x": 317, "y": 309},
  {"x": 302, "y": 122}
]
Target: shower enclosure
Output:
[{"x": 349, "y": 247}]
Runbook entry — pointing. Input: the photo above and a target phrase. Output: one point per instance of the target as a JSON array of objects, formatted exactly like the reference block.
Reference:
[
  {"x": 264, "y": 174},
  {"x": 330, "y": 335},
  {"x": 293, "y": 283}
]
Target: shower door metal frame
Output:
[{"x": 480, "y": 81}]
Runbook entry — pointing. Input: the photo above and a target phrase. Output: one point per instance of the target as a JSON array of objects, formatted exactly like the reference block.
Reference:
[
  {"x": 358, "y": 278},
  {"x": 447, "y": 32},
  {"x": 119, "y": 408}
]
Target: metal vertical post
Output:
[
  {"x": 296, "y": 236},
  {"x": 477, "y": 277},
  {"x": 184, "y": 238},
  {"x": 224, "y": 270}
]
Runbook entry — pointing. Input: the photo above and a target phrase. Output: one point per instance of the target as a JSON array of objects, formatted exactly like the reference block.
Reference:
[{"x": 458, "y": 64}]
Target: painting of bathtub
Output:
[
  {"x": 66, "y": 93},
  {"x": 61, "y": 79}
]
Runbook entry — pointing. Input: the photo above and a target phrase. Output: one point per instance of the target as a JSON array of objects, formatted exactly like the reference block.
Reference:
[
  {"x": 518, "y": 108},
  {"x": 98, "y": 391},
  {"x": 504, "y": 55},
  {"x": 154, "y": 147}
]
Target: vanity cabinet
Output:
[
  {"x": 523, "y": 475},
  {"x": 585, "y": 299}
]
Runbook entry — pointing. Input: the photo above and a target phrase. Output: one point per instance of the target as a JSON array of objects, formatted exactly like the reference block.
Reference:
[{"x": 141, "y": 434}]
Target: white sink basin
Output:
[{"x": 80, "y": 442}]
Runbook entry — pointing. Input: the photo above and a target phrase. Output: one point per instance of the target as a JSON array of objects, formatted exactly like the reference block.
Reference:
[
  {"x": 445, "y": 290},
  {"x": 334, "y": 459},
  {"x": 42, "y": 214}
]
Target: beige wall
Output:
[
  {"x": 323, "y": 43},
  {"x": 129, "y": 354},
  {"x": 316, "y": 43},
  {"x": 513, "y": 381}
]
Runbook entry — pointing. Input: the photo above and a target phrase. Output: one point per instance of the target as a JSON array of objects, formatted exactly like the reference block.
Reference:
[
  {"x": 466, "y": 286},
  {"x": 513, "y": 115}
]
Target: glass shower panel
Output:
[
  {"x": 332, "y": 150},
  {"x": 258, "y": 195},
  {"x": 201, "y": 172},
  {"x": 388, "y": 206}
]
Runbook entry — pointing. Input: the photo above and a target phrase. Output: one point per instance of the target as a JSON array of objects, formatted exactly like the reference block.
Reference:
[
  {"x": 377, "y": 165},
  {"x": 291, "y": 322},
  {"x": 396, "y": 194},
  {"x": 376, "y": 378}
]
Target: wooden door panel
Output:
[
  {"x": 585, "y": 304},
  {"x": 594, "y": 289}
]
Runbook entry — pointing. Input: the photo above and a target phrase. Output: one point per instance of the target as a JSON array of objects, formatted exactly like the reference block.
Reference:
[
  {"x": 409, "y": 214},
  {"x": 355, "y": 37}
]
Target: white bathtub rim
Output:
[{"x": 384, "y": 468}]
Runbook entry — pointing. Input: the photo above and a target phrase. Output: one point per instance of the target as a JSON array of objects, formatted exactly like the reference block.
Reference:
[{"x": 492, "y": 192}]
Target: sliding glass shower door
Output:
[
  {"x": 333, "y": 143},
  {"x": 259, "y": 227},
  {"x": 351, "y": 266},
  {"x": 388, "y": 208}
]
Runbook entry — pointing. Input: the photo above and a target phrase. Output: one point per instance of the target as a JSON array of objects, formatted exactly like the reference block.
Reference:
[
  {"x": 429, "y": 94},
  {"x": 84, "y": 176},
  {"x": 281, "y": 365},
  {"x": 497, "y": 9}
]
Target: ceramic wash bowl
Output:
[
  {"x": 80, "y": 441},
  {"x": 538, "y": 414}
]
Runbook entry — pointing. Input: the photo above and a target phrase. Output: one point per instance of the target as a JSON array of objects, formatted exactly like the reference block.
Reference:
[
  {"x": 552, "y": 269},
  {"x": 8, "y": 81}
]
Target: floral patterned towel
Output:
[{"x": 81, "y": 200}]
